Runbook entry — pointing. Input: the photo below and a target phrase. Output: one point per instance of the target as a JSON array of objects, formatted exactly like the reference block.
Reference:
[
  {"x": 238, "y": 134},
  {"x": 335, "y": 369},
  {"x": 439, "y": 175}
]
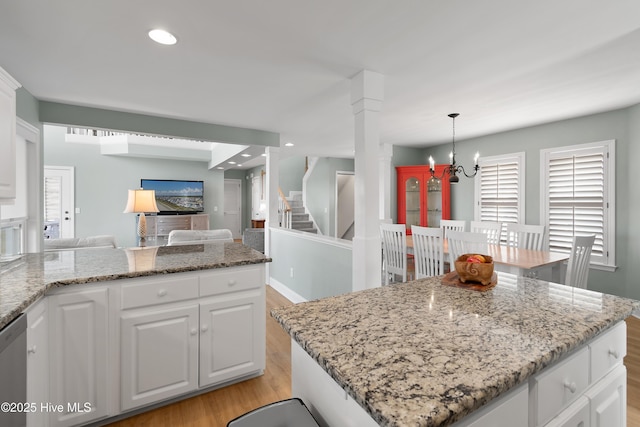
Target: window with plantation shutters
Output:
[
  {"x": 577, "y": 183},
  {"x": 499, "y": 189}
]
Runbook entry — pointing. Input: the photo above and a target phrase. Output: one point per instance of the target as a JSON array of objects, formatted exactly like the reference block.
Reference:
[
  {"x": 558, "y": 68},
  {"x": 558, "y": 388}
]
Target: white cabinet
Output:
[
  {"x": 8, "y": 88},
  {"x": 78, "y": 342},
  {"x": 37, "y": 362},
  {"x": 187, "y": 331},
  {"x": 159, "y": 354},
  {"x": 576, "y": 415},
  {"x": 230, "y": 341},
  {"x": 608, "y": 400}
]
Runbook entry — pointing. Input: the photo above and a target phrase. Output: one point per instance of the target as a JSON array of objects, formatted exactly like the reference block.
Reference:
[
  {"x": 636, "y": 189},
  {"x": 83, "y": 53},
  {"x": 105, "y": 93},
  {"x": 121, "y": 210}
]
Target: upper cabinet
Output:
[
  {"x": 422, "y": 200},
  {"x": 8, "y": 88}
]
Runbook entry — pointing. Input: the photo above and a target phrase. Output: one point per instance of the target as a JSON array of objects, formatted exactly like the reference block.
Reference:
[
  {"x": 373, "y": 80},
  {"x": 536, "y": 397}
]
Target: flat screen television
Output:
[{"x": 176, "y": 196}]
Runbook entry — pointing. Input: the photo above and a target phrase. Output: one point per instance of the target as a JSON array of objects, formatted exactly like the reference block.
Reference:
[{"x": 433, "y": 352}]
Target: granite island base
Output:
[
  {"x": 114, "y": 332},
  {"x": 526, "y": 353}
]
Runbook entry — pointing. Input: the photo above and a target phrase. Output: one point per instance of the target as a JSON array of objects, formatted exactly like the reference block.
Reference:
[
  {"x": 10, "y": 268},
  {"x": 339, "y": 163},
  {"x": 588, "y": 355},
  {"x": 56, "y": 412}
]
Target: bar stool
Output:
[{"x": 285, "y": 413}]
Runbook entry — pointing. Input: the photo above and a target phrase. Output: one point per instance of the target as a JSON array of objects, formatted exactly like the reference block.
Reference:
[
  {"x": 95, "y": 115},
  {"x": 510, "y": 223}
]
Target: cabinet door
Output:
[
  {"x": 37, "y": 362},
  {"x": 200, "y": 222},
  {"x": 421, "y": 200},
  {"x": 609, "y": 399},
  {"x": 78, "y": 366},
  {"x": 576, "y": 415},
  {"x": 232, "y": 336},
  {"x": 159, "y": 354},
  {"x": 7, "y": 137}
]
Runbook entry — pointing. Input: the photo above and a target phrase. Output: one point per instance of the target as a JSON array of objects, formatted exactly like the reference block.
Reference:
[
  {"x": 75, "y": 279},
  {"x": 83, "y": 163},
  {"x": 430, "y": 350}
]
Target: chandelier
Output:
[{"x": 454, "y": 169}]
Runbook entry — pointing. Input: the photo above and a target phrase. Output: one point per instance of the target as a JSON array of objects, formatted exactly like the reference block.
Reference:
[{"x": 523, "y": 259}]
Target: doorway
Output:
[
  {"x": 233, "y": 207},
  {"x": 59, "y": 199}
]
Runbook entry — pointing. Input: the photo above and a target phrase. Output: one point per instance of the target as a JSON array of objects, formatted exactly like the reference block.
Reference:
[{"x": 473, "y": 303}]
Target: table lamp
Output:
[{"x": 141, "y": 201}]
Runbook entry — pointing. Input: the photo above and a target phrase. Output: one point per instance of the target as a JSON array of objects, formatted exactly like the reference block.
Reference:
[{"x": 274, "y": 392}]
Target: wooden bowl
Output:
[{"x": 474, "y": 271}]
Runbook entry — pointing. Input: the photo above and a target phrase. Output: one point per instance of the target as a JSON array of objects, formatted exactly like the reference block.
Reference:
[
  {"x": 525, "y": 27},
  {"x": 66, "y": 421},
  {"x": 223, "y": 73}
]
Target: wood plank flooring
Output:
[{"x": 216, "y": 408}]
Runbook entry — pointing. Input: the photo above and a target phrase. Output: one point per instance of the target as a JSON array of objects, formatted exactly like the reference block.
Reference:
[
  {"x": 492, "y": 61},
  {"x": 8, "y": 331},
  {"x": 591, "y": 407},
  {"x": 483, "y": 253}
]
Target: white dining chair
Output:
[
  {"x": 578, "y": 265},
  {"x": 428, "y": 254},
  {"x": 525, "y": 236},
  {"x": 452, "y": 224},
  {"x": 394, "y": 251},
  {"x": 492, "y": 229},
  {"x": 465, "y": 242}
]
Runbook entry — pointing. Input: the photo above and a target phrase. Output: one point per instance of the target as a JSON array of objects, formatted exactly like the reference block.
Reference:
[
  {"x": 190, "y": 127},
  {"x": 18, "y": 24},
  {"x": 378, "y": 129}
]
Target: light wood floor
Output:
[{"x": 216, "y": 408}]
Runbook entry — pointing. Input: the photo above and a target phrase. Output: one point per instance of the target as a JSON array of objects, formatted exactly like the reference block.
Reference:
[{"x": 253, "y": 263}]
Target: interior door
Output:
[
  {"x": 232, "y": 207},
  {"x": 59, "y": 208}
]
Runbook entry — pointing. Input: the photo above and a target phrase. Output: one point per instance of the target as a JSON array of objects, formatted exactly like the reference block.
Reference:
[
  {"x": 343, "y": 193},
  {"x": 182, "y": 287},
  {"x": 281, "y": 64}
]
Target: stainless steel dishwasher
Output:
[{"x": 13, "y": 373}]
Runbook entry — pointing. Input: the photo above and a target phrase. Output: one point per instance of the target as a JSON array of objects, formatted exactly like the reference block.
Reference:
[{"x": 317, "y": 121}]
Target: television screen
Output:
[{"x": 176, "y": 197}]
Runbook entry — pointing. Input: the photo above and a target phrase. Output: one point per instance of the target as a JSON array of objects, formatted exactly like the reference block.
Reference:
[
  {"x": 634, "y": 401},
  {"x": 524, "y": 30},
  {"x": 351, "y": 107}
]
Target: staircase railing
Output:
[{"x": 284, "y": 210}]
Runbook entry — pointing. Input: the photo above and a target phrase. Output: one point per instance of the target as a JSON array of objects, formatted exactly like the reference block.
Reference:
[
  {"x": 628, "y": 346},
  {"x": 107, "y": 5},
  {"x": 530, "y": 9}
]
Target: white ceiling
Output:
[{"x": 285, "y": 65}]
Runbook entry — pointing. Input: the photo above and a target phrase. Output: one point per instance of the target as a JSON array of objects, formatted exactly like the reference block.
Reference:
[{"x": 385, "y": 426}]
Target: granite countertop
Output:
[
  {"x": 29, "y": 277},
  {"x": 425, "y": 354}
]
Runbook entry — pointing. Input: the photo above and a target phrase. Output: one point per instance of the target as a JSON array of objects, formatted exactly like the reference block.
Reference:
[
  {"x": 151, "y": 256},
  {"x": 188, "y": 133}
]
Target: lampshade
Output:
[{"x": 141, "y": 201}]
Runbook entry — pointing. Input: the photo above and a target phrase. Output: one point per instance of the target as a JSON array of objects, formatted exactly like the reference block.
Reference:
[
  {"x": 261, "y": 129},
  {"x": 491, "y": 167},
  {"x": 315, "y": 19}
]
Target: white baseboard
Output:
[{"x": 285, "y": 291}]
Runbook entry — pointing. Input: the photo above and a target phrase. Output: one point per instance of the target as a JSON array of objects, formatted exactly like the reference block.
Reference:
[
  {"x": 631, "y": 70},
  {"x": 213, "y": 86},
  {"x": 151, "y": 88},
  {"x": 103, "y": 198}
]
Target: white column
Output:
[
  {"x": 273, "y": 182},
  {"x": 386, "y": 154},
  {"x": 367, "y": 92}
]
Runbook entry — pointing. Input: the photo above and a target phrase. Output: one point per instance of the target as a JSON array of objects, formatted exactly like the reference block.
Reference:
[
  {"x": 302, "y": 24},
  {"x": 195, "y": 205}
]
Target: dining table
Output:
[{"x": 520, "y": 261}]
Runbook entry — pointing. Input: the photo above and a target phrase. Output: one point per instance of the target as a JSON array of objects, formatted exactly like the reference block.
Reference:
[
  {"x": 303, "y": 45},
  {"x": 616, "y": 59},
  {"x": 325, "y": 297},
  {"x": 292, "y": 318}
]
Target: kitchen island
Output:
[
  {"x": 112, "y": 332},
  {"x": 525, "y": 353}
]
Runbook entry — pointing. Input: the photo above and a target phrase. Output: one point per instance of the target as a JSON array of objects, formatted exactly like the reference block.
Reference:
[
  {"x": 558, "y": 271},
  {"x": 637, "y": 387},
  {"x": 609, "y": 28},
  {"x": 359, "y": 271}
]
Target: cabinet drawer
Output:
[
  {"x": 166, "y": 229},
  {"x": 558, "y": 386},
  {"x": 231, "y": 280},
  {"x": 608, "y": 351},
  {"x": 161, "y": 291},
  {"x": 575, "y": 415}
]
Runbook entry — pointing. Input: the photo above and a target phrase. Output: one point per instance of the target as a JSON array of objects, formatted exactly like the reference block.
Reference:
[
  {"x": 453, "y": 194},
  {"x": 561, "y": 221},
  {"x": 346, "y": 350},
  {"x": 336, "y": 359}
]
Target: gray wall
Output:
[
  {"x": 321, "y": 192},
  {"x": 101, "y": 184},
  {"x": 320, "y": 269},
  {"x": 292, "y": 171},
  {"x": 621, "y": 125}
]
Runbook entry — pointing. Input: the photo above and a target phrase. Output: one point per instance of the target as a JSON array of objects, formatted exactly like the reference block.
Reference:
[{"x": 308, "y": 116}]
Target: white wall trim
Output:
[
  {"x": 27, "y": 130},
  {"x": 327, "y": 240},
  {"x": 286, "y": 292}
]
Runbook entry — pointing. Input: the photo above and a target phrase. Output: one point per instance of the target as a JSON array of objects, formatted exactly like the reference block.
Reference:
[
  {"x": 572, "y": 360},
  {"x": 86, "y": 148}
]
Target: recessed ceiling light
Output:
[
  {"x": 289, "y": 144},
  {"x": 162, "y": 37},
  {"x": 232, "y": 162},
  {"x": 220, "y": 167},
  {"x": 245, "y": 155},
  {"x": 264, "y": 154},
  {"x": 239, "y": 165}
]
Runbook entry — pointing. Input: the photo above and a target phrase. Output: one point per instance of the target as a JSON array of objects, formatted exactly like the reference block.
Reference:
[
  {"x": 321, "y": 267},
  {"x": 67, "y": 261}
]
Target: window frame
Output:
[
  {"x": 520, "y": 159},
  {"x": 607, "y": 147}
]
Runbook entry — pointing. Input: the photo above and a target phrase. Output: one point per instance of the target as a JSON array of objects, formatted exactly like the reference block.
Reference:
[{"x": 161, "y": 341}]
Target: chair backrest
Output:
[
  {"x": 427, "y": 251},
  {"x": 394, "y": 250},
  {"x": 578, "y": 266},
  {"x": 493, "y": 230},
  {"x": 102, "y": 241},
  {"x": 465, "y": 242},
  {"x": 525, "y": 236},
  {"x": 452, "y": 224},
  {"x": 191, "y": 237}
]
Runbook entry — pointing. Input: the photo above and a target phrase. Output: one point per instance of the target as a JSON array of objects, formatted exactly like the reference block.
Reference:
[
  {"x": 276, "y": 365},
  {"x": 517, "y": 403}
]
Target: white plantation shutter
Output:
[
  {"x": 576, "y": 192},
  {"x": 499, "y": 189}
]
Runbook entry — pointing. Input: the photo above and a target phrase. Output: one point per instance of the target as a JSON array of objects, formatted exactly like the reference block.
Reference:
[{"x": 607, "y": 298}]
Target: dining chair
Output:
[
  {"x": 428, "y": 253},
  {"x": 525, "y": 236},
  {"x": 492, "y": 229},
  {"x": 452, "y": 224},
  {"x": 465, "y": 242},
  {"x": 394, "y": 251},
  {"x": 578, "y": 265}
]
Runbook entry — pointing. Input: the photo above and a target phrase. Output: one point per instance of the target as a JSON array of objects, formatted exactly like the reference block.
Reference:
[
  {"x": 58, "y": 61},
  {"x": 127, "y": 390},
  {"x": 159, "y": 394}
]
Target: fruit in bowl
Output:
[{"x": 474, "y": 268}]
